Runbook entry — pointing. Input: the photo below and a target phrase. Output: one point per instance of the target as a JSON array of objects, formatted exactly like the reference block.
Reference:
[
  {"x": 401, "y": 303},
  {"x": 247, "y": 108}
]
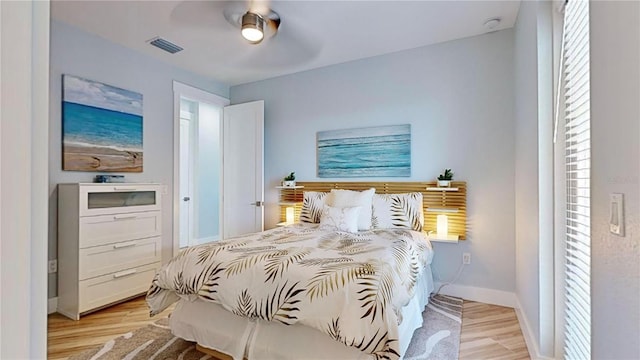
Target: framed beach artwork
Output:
[
  {"x": 383, "y": 151},
  {"x": 101, "y": 127}
]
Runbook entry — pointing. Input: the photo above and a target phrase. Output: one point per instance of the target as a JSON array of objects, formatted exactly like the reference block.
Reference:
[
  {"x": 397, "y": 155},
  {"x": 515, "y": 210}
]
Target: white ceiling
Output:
[{"x": 312, "y": 33}]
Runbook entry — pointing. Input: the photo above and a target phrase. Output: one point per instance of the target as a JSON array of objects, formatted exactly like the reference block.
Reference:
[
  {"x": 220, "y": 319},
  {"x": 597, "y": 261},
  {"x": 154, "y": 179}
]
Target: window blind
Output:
[{"x": 577, "y": 344}]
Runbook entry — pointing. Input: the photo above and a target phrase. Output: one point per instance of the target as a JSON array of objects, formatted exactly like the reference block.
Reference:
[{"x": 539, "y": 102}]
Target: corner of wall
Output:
[
  {"x": 528, "y": 334},
  {"x": 52, "y": 305}
]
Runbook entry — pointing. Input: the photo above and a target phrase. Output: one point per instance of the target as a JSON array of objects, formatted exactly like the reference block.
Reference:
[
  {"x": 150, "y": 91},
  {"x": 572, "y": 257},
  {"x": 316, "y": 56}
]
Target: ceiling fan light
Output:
[
  {"x": 252, "y": 34},
  {"x": 252, "y": 27}
]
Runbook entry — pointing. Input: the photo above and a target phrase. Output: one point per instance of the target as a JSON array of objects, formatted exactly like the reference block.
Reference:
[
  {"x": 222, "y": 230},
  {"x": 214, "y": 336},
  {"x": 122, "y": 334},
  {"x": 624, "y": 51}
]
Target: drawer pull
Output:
[
  {"x": 115, "y": 188},
  {"x": 123, "y": 217},
  {"x": 124, "y": 273},
  {"x": 124, "y": 245}
]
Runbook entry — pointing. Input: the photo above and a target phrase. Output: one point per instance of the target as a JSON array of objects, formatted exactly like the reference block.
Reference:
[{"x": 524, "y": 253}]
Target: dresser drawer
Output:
[
  {"x": 102, "y": 199},
  {"x": 106, "y": 289},
  {"x": 109, "y": 229},
  {"x": 105, "y": 259}
]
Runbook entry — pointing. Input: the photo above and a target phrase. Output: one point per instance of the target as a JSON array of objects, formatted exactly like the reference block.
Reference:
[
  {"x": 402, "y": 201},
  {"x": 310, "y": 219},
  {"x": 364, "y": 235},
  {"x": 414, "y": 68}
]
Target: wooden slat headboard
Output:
[{"x": 434, "y": 199}]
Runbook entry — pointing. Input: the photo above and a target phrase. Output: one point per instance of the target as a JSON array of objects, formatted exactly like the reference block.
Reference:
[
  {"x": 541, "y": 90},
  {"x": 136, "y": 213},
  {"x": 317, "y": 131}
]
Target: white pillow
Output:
[
  {"x": 402, "y": 211},
  {"x": 340, "y": 218},
  {"x": 312, "y": 204},
  {"x": 349, "y": 198}
]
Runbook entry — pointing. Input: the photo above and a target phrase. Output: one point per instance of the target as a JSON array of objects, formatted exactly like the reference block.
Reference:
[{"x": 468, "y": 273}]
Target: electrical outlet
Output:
[
  {"x": 53, "y": 266},
  {"x": 466, "y": 258}
]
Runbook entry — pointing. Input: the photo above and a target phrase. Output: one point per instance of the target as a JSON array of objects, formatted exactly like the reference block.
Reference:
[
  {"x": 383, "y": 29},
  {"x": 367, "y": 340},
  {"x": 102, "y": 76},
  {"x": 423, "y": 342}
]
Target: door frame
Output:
[{"x": 184, "y": 90}]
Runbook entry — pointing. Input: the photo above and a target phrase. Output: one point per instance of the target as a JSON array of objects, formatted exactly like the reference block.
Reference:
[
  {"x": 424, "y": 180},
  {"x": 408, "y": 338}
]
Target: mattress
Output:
[{"x": 211, "y": 326}]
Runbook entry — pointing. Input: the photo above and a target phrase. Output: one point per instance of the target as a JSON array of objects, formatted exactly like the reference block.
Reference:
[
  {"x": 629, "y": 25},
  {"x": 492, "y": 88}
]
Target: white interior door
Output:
[{"x": 243, "y": 169}]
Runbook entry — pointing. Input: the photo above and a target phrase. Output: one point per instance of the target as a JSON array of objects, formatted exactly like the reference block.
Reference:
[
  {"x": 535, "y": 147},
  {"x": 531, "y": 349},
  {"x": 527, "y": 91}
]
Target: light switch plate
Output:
[{"x": 616, "y": 214}]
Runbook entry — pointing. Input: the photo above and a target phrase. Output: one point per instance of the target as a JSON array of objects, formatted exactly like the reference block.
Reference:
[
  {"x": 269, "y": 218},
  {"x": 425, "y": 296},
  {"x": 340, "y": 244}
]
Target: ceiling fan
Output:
[{"x": 242, "y": 24}]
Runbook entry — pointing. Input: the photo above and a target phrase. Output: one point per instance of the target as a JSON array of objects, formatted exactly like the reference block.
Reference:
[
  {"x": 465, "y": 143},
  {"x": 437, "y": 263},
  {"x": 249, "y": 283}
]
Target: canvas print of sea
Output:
[
  {"x": 366, "y": 152},
  {"x": 101, "y": 127}
]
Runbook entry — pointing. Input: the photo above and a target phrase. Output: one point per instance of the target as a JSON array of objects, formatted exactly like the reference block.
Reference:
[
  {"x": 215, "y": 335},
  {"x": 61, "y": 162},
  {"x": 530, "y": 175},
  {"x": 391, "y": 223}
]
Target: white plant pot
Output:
[
  {"x": 444, "y": 183},
  {"x": 291, "y": 183}
]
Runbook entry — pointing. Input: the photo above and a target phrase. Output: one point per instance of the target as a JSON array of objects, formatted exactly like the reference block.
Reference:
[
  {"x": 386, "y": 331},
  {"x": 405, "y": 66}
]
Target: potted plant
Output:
[
  {"x": 290, "y": 180},
  {"x": 444, "y": 179}
]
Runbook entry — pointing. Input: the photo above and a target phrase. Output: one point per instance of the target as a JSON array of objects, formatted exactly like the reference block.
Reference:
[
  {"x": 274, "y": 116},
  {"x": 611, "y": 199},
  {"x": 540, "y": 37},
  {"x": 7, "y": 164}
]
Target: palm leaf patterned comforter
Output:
[{"x": 349, "y": 286}]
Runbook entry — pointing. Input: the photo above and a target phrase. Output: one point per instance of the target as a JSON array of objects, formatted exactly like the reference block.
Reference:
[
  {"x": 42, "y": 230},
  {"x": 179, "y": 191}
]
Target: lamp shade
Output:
[
  {"x": 442, "y": 225},
  {"x": 289, "y": 215}
]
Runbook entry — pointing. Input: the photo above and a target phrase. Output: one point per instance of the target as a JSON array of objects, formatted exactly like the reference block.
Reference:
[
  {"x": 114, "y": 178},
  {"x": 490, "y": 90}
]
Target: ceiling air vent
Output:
[{"x": 165, "y": 45}]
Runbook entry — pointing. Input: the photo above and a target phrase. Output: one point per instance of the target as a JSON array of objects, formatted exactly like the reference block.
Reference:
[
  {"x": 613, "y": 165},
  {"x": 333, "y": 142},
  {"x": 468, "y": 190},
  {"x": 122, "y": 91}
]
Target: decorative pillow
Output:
[
  {"x": 349, "y": 198},
  {"x": 340, "y": 218},
  {"x": 312, "y": 204},
  {"x": 398, "y": 211}
]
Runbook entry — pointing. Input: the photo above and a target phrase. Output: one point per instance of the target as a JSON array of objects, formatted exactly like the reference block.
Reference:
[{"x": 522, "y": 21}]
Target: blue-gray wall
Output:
[
  {"x": 79, "y": 53},
  {"x": 458, "y": 98}
]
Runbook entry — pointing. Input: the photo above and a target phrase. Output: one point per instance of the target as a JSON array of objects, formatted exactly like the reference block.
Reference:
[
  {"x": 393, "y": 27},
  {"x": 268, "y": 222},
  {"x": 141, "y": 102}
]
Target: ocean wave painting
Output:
[
  {"x": 383, "y": 151},
  {"x": 101, "y": 127}
]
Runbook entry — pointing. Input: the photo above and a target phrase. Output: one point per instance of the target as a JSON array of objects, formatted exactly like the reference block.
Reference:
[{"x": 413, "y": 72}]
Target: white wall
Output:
[
  {"x": 545, "y": 178},
  {"x": 24, "y": 57},
  {"x": 458, "y": 98},
  {"x": 526, "y": 187},
  {"x": 82, "y": 54},
  {"x": 615, "y": 168},
  {"x": 533, "y": 59}
]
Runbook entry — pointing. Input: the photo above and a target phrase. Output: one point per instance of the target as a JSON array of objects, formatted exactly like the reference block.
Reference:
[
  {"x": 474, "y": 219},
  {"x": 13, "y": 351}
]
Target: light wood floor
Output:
[
  {"x": 67, "y": 337},
  {"x": 488, "y": 331}
]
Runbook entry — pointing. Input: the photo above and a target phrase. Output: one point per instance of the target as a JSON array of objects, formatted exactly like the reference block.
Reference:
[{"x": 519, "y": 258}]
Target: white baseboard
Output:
[
  {"x": 483, "y": 295},
  {"x": 527, "y": 333},
  {"x": 52, "y": 305}
]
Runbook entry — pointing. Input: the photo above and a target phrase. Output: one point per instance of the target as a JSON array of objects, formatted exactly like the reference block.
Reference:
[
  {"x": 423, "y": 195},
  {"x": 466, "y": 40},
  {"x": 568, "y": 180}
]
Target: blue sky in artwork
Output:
[
  {"x": 365, "y": 132},
  {"x": 96, "y": 94}
]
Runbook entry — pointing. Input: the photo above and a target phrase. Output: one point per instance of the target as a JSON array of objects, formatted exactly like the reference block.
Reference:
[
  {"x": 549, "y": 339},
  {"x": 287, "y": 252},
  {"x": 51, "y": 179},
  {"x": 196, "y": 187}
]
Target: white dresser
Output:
[{"x": 109, "y": 243}]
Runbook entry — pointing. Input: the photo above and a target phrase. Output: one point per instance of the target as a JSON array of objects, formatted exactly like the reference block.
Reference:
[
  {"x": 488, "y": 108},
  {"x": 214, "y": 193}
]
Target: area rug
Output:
[{"x": 438, "y": 338}]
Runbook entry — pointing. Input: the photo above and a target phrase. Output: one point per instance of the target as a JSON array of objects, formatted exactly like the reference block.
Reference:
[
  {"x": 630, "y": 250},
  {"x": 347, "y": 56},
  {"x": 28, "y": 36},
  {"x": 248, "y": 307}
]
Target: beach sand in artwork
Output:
[{"x": 96, "y": 158}]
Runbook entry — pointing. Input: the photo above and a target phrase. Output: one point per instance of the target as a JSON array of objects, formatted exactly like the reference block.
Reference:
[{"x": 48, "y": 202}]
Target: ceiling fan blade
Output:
[
  {"x": 207, "y": 14},
  {"x": 286, "y": 48}
]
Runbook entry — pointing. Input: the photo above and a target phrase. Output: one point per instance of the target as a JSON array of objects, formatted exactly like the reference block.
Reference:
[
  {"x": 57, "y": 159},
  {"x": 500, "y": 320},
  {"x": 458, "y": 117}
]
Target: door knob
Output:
[{"x": 186, "y": 198}]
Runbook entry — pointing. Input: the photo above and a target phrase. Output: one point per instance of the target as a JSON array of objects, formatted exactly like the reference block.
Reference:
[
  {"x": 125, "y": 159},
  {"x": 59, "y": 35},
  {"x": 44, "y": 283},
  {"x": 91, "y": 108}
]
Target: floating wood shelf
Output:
[
  {"x": 448, "y": 238},
  {"x": 442, "y": 189}
]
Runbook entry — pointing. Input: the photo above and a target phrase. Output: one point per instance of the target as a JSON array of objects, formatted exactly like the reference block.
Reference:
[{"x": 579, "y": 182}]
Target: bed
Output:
[{"x": 325, "y": 289}]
